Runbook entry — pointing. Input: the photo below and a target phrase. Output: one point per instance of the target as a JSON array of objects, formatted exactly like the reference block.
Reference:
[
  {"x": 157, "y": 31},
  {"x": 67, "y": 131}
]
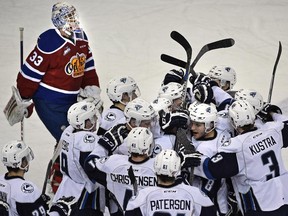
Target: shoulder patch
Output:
[
  {"x": 88, "y": 138},
  {"x": 49, "y": 41},
  {"x": 157, "y": 149},
  {"x": 227, "y": 143},
  {"x": 27, "y": 188},
  {"x": 110, "y": 116}
]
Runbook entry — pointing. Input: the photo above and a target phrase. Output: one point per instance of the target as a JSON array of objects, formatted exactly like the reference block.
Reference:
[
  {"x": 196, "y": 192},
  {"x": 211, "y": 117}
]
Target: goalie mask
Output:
[
  {"x": 241, "y": 113},
  {"x": 80, "y": 112},
  {"x": 123, "y": 85},
  {"x": 140, "y": 141},
  {"x": 253, "y": 97},
  {"x": 65, "y": 17},
  {"x": 168, "y": 163},
  {"x": 224, "y": 74},
  {"x": 14, "y": 153}
]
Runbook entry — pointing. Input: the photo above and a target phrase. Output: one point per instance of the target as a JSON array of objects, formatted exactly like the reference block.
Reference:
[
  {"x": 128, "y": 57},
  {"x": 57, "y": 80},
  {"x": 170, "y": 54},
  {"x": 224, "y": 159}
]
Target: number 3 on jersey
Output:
[
  {"x": 36, "y": 59},
  {"x": 269, "y": 158}
]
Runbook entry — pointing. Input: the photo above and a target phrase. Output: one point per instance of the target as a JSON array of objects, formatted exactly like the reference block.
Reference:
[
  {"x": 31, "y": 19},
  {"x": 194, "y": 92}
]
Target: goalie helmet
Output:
[
  {"x": 118, "y": 86},
  {"x": 241, "y": 113},
  {"x": 224, "y": 74},
  {"x": 162, "y": 103},
  {"x": 140, "y": 141},
  {"x": 171, "y": 91},
  {"x": 168, "y": 163},
  {"x": 14, "y": 152},
  {"x": 203, "y": 113},
  {"x": 80, "y": 112},
  {"x": 252, "y": 96},
  {"x": 65, "y": 17},
  {"x": 139, "y": 110}
]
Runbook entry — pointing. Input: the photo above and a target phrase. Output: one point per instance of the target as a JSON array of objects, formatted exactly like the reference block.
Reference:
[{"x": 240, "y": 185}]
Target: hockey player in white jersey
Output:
[
  {"x": 22, "y": 197},
  {"x": 207, "y": 139},
  {"x": 169, "y": 197},
  {"x": 112, "y": 171},
  {"x": 120, "y": 91},
  {"x": 253, "y": 160},
  {"x": 78, "y": 140}
]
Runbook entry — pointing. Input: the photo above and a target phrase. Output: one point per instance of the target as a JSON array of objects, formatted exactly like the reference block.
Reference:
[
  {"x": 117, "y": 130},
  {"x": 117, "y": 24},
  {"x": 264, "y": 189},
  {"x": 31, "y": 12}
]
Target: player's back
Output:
[
  {"x": 118, "y": 181},
  {"x": 175, "y": 200}
]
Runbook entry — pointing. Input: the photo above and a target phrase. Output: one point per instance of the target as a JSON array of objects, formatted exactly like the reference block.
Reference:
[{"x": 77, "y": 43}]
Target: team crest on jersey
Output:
[
  {"x": 89, "y": 138},
  {"x": 227, "y": 143},
  {"x": 110, "y": 116},
  {"x": 27, "y": 188},
  {"x": 76, "y": 66}
]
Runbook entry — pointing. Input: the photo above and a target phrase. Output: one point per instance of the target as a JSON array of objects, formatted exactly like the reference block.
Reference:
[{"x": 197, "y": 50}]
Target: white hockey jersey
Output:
[
  {"x": 172, "y": 200},
  {"x": 23, "y": 197},
  {"x": 255, "y": 162},
  {"x": 114, "y": 171},
  {"x": 75, "y": 149}
]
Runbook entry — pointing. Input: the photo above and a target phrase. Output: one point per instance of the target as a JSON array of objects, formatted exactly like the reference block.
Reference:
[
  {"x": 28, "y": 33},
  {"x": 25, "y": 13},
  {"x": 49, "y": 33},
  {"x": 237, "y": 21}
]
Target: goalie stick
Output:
[
  {"x": 274, "y": 72},
  {"x": 225, "y": 43}
]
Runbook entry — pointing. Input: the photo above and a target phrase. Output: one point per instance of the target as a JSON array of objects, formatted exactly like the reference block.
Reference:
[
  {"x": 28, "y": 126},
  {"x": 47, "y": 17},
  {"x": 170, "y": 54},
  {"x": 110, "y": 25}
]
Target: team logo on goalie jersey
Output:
[
  {"x": 27, "y": 188},
  {"x": 76, "y": 66}
]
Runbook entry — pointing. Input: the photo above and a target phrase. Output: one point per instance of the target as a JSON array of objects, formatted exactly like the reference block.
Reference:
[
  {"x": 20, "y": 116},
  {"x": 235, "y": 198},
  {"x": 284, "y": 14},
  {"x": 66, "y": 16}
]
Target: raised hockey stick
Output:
[
  {"x": 133, "y": 180},
  {"x": 274, "y": 72},
  {"x": 225, "y": 43},
  {"x": 21, "y": 29}
]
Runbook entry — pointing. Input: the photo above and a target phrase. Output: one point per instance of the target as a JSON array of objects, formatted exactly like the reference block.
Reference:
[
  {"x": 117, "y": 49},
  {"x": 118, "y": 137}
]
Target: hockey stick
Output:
[
  {"x": 21, "y": 29},
  {"x": 56, "y": 153},
  {"x": 133, "y": 180},
  {"x": 274, "y": 72},
  {"x": 225, "y": 43}
]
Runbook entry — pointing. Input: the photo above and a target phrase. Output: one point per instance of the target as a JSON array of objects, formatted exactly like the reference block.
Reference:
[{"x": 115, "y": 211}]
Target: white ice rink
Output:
[{"x": 128, "y": 36}]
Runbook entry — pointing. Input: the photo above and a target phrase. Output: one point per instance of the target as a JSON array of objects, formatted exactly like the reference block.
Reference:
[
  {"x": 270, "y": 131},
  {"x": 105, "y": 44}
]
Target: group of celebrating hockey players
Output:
[{"x": 132, "y": 159}]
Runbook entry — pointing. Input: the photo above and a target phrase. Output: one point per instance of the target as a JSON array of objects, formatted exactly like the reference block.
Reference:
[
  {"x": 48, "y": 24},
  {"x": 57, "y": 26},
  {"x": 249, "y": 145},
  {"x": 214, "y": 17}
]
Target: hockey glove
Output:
[
  {"x": 265, "y": 114},
  {"x": 114, "y": 137},
  {"x": 4, "y": 208},
  {"x": 91, "y": 94},
  {"x": 174, "y": 76},
  {"x": 171, "y": 120},
  {"x": 17, "y": 108},
  {"x": 203, "y": 93},
  {"x": 64, "y": 206},
  {"x": 190, "y": 159},
  {"x": 201, "y": 78}
]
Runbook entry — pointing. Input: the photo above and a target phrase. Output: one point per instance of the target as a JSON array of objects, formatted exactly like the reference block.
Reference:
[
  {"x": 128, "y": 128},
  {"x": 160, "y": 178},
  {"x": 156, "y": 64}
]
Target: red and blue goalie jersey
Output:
[{"x": 57, "y": 68}]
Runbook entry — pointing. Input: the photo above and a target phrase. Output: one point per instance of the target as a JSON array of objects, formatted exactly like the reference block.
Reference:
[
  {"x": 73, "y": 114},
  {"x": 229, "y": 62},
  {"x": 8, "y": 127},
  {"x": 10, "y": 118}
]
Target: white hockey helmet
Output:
[
  {"x": 139, "y": 110},
  {"x": 65, "y": 17},
  {"x": 171, "y": 91},
  {"x": 203, "y": 113},
  {"x": 167, "y": 162},
  {"x": 241, "y": 113},
  {"x": 162, "y": 103},
  {"x": 140, "y": 141},
  {"x": 118, "y": 86},
  {"x": 252, "y": 96},
  {"x": 80, "y": 112},
  {"x": 14, "y": 152},
  {"x": 224, "y": 74}
]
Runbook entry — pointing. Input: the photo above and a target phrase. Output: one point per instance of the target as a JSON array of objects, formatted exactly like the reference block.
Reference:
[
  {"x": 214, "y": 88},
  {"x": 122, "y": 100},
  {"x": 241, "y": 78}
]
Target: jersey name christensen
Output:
[
  {"x": 262, "y": 145},
  {"x": 141, "y": 180},
  {"x": 170, "y": 204}
]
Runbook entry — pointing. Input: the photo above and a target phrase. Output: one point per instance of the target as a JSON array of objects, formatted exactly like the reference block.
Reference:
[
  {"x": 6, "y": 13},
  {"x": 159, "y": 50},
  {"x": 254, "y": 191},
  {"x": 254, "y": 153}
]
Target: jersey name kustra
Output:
[
  {"x": 262, "y": 145},
  {"x": 166, "y": 204},
  {"x": 141, "y": 180}
]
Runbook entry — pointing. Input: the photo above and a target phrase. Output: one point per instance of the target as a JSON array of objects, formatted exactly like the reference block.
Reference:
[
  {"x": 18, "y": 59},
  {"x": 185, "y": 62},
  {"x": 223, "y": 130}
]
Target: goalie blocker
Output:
[{"x": 17, "y": 108}]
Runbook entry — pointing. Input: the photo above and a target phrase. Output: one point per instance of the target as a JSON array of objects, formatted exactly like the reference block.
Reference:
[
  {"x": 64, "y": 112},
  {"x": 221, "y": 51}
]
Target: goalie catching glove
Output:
[
  {"x": 91, "y": 94},
  {"x": 17, "y": 108}
]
